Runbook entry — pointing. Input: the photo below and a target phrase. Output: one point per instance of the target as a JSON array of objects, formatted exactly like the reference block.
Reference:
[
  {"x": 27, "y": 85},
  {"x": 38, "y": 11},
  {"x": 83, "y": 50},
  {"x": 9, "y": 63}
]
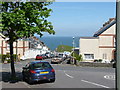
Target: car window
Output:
[
  {"x": 43, "y": 55},
  {"x": 40, "y": 66}
]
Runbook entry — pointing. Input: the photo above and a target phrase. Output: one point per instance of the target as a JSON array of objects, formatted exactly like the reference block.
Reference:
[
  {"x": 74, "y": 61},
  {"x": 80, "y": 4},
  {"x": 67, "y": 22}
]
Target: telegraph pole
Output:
[{"x": 118, "y": 45}]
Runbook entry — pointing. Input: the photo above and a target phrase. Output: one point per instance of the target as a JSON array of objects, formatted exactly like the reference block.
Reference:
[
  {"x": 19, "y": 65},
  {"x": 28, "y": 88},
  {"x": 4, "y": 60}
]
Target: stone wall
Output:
[{"x": 93, "y": 64}]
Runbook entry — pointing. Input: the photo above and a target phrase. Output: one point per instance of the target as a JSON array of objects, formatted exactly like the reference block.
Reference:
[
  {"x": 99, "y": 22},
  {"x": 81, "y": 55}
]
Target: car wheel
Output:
[
  {"x": 30, "y": 81},
  {"x": 52, "y": 80},
  {"x": 24, "y": 78}
]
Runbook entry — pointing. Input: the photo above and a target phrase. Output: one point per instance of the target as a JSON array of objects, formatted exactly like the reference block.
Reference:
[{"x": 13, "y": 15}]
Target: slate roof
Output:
[
  {"x": 89, "y": 37},
  {"x": 100, "y": 31}
]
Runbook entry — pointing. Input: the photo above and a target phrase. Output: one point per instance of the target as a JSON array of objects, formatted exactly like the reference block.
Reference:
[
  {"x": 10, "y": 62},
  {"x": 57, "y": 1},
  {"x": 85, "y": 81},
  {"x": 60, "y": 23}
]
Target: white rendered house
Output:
[{"x": 101, "y": 45}]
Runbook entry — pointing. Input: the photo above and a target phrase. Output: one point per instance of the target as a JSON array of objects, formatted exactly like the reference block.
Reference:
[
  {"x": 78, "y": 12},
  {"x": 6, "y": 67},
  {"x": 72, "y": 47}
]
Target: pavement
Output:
[{"x": 67, "y": 76}]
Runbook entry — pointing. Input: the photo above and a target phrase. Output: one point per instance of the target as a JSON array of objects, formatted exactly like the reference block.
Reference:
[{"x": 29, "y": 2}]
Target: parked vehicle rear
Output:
[{"x": 38, "y": 70}]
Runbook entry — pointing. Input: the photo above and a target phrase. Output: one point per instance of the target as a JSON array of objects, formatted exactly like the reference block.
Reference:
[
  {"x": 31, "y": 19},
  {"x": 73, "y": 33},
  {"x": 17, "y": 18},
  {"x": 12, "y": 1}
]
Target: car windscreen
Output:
[{"x": 41, "y": 65}]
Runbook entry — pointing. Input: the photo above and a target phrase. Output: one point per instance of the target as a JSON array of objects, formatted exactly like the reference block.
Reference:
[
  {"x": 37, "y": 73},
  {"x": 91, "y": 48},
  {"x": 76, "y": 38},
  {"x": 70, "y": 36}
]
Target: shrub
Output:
[
  {"x": 6, "y": 57},
  {"x": 0, "y": 58},
  {"x": 77, "y": 57},
  {"x": 100, "y": 60},
  {"x": 96, "y": 60}
]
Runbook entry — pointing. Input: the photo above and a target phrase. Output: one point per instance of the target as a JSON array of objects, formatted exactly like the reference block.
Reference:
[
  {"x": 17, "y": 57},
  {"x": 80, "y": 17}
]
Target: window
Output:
[
  {"x": 40, "y": 65},
  {"x": 114, "y": 42},
  {"x": 89, "y": 56},
  {"x": 8, "y": 46},
  {"x": 104, "y": 56}
]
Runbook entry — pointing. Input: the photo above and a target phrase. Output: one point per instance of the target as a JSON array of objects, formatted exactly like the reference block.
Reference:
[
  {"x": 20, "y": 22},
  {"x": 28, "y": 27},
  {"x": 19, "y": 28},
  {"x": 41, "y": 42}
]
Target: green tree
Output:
[{"x": 24, "y": 19}]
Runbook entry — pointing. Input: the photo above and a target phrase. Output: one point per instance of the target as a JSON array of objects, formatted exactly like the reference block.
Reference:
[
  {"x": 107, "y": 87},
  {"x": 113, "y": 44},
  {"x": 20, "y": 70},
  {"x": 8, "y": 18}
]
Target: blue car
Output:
[{"x": 38, "y": 70}]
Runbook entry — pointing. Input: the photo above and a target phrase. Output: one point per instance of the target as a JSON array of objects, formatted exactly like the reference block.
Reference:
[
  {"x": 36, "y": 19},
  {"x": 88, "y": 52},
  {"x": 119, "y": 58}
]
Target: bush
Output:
[
  {"x": 0, "y": 58},
  {"x": 96, "y": 60},
  {"x": 6, "y": 57},
  {"x": 100, "y": 60},
  {"x": 78, "y": 57}
]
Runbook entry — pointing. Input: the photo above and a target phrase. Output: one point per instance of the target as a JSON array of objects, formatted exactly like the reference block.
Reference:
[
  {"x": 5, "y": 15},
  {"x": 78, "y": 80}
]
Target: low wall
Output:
[
  {"x": 90, "y": 64},
  {"x": 94, "y": 64}
]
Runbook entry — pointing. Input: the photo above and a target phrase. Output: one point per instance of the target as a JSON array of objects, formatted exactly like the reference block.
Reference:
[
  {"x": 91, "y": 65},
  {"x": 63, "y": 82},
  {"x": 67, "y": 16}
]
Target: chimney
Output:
[
  {"x": 106, "y": 23},
  {"x": 111, "y": 19}
]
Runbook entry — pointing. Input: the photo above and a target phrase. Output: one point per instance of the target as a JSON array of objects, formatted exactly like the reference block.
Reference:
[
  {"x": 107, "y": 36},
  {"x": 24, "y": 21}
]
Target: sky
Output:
[{"x": 80, "y": 18}]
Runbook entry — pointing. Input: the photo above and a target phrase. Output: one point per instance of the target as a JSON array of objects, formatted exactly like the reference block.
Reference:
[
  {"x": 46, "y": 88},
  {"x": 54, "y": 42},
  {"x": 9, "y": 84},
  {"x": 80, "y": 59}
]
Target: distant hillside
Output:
[{"x": 62, "y": 48}]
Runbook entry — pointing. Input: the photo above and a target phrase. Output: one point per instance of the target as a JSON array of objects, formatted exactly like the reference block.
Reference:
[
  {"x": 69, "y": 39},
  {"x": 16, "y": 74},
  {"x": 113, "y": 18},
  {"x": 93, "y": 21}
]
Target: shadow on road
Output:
[{"x": 6, "y": 77}]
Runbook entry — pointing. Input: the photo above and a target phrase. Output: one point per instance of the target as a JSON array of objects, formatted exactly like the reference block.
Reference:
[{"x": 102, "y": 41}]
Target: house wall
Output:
[
  {"x": 110, "y": 30},
  {"x": 103, "y": 47},
  {"x": 89, "y": 46},
  {"x": 21, "y": 47},
  {"x": 107, "y": 43},
  {"x": 106, "y": 53}
]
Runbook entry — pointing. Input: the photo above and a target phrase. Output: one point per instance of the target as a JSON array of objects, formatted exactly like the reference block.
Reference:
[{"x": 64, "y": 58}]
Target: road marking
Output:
[
  {"x": 95, "y": 84},
  {"x": 68, "y": 75},
  {"x": 110, "y": 77}
]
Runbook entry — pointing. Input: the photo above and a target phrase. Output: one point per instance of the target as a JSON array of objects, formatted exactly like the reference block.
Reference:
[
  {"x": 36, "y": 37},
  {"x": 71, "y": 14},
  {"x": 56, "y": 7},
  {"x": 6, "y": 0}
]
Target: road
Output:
[{"x": 67, "y": 76}]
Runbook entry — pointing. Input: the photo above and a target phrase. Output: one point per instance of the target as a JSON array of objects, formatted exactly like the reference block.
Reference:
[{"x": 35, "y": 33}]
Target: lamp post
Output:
[
  {"x": 118, "y": 45},
  {"x": 73, "y": 49}
]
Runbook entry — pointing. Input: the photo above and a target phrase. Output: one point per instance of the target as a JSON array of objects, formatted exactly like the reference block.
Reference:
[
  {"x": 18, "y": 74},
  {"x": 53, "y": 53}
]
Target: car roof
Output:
[{"x": 38, "y": 62}]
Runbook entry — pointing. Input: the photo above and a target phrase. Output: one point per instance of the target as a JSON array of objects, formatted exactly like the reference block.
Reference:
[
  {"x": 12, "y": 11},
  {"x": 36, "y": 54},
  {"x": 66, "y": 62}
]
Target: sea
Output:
[{"x": 53, "y": 42}]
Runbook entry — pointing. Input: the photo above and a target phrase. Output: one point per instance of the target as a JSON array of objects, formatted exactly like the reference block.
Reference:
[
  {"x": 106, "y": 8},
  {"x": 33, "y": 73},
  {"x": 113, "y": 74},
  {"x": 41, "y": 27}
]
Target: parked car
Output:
[
  {"x": 48, "y": 55},
  {"x": 44, "y": 56},
  {"x": 39, "y": 57},
  {"x": 52, "y": 55},
  {"x": 57, "y": 60},
  {"x": 37, "y": 71}
]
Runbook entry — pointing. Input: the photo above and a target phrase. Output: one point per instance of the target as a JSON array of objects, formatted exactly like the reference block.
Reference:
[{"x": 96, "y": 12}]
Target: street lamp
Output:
[{"x": 73, "y": 49}]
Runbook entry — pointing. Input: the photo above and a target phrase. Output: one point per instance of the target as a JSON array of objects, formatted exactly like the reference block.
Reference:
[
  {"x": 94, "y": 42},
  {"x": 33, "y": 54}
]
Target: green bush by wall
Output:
[
  {"x": 6, "y": 57},
  {"x": 77, "y": 57}
]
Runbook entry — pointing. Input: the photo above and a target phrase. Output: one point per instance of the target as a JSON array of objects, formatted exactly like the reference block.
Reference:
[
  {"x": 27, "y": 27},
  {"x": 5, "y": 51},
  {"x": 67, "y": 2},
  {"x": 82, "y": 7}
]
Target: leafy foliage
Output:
[
  {"x": 24, "y": 19},
  {"x": 6, "y": 57},
  {"x": 77, "y": 57}
]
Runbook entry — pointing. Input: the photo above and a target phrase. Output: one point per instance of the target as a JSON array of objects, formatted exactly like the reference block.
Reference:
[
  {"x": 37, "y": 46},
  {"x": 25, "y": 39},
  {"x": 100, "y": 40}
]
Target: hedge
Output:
[{"x": 6, "y": 57}]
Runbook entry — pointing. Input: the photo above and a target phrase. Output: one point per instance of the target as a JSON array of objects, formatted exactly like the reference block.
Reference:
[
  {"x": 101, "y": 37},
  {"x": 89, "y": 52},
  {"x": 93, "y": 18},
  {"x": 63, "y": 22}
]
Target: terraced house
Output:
[
  {"x": 101, "y": 45},
  {"x": 20, "y": 46}
]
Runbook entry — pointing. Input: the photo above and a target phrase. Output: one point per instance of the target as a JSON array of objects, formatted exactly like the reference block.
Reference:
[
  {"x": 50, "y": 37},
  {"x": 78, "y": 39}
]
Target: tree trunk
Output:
[{"x": 13, "y": 75}]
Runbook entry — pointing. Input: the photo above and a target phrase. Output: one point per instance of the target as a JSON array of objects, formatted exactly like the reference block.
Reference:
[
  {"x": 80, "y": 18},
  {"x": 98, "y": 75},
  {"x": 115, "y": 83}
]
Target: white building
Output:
[
  {"x": 26, "y": 48},
  {"x": 101, "y": 45},
  {"x": 36, "y": 47}
]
